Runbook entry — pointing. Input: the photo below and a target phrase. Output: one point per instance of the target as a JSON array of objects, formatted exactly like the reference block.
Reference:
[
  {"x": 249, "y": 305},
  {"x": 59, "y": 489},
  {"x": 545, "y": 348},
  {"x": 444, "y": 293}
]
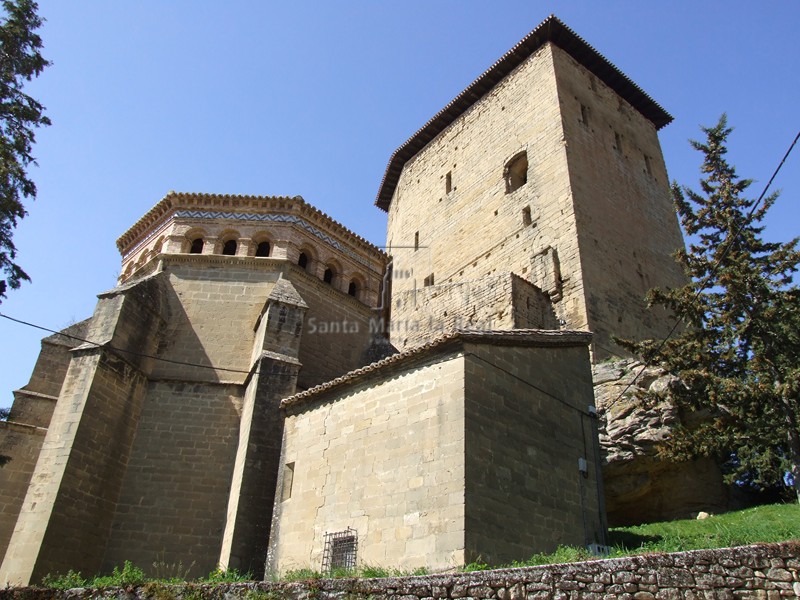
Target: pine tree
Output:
[
  {"x": 20, "y": 114},
  {"x": 737, "y": 348}
]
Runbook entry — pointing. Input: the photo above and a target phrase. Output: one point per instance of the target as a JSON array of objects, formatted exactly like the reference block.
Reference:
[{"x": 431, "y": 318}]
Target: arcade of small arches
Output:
[{"x": 228, "y": 244}]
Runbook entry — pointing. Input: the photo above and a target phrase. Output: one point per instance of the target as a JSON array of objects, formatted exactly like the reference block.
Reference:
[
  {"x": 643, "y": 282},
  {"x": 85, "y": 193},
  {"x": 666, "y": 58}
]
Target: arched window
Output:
[
  {"x": 302, "y": 261},
  {"x": 197, "y": 246},
  {"x": 262, "y": 249},
  {"x": 516, "y": 172},
  {"x": 229, "y": 248},
  {"x": 352, "y": 289},
  {"x": 328, "y": 276}
]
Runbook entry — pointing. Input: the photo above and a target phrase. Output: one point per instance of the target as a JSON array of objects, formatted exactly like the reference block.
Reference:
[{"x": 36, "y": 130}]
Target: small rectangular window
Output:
[
  {"x": 448, "y": 182},
  {"x": 618, "y": 142},
  {"x": 288, "y": 480},
  {"x": 647, "y": 166},
  {"x": 526, "y": 216},
  {"x": 428, "y": 280},
  {"x": 416, "y": 241},
  {"x": 584, "y": 114},
  {"x": 340, "y": 550}
]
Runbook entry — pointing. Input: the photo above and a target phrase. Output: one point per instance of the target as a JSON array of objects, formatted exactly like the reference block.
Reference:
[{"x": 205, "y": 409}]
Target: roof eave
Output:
[{"x": 550, "y": 30}]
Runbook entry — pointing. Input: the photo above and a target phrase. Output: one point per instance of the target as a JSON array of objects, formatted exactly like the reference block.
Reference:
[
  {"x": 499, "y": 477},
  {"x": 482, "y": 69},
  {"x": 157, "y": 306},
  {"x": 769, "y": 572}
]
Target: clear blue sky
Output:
[{"x": 311, "y": 98}]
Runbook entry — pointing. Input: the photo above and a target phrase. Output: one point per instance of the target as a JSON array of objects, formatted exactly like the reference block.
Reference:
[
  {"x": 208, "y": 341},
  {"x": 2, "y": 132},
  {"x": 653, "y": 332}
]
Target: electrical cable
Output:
[
  {"x": 528, "y": 383},
  {"x": 131, "y": 352},
  {"x": 717, "y": 264}
]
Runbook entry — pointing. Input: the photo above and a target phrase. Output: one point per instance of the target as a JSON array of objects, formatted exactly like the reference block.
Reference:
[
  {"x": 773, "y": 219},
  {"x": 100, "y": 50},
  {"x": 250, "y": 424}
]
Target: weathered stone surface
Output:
[{"x": 639, "y": 485}]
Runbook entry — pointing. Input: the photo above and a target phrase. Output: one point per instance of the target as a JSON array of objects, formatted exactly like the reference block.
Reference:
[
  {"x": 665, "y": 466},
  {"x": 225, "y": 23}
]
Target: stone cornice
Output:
[{"x": 246, "y": 207}]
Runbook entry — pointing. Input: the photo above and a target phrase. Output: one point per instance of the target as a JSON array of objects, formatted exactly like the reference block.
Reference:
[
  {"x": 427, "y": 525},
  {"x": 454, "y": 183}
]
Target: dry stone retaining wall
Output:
[{"x": 770, "y": 571}]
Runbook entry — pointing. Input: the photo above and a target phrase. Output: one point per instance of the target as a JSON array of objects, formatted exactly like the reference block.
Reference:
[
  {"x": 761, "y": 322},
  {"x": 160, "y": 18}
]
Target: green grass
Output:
[
  {"x": 133, "y": 575},
  {"x": 771, "y": 523}
]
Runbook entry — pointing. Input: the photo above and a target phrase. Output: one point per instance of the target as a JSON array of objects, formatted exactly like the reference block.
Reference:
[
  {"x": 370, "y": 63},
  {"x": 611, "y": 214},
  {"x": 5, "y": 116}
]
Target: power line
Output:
[
  {"x": 529, "y": 384},
  {"x": 717, "y": 264},
  {"x": 115, "y": 349}
]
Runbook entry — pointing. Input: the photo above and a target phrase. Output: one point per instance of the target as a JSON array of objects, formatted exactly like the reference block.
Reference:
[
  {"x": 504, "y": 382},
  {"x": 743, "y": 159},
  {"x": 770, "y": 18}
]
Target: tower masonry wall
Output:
[
  {"x": 502, "y": 301},
  {"x": 478, "y": 228},
  {"x": 626, "y": 223}
]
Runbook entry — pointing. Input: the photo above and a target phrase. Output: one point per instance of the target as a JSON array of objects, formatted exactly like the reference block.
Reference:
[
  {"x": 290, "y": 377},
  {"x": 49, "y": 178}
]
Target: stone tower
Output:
[{"x": 537, "y": 198}]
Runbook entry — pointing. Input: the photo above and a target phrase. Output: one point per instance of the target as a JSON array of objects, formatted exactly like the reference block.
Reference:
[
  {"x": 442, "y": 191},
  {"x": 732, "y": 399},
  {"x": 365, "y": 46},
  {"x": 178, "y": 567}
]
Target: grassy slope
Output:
[{"x": 771, "y": 523}]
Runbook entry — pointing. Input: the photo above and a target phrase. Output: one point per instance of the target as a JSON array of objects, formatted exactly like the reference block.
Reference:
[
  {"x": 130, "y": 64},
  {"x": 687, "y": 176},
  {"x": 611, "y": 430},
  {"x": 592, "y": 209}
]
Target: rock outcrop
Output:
[{"x": 639, "y": 485}]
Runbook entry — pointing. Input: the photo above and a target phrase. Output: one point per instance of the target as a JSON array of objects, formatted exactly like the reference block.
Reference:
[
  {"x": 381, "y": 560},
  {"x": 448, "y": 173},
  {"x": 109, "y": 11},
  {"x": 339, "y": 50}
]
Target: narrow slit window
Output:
[
  {"x": 416, "y": 241},
  {"x": 526, "y": 216},
  {"x": 618, "y": 142},
  {"x": 584, "y": 114},
  {"x": 648, "y": 167},
  {"x": 288, "y": 481},
  {"x": 448, "y": 182}
]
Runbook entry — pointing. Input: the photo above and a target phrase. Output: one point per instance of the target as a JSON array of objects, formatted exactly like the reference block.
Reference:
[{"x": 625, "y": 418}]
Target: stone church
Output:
[{"x": 265, "y": 390}]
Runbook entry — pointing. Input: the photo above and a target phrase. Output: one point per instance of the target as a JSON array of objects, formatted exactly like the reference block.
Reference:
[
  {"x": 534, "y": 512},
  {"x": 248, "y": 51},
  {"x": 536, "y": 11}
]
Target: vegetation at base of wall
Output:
[
  {"x": 762, "y": 524},
  {"x": 362, "y": 571},
  {"x": 172, "y": 572},
  {"x": 132, "y": 575},
  {"x": 220, "y": 575}
]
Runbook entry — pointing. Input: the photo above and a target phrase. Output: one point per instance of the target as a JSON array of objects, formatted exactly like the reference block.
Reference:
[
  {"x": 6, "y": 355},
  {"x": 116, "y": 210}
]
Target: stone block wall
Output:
[
  {"x": 626, "y": 223},
  {"x": 527, "y": 426},
  {"x": 503, "y": 301},
  {"x": 175, "y": 491},
  {"x": 591, "y": 223},
  {"x": 384, "y": 459},
  {"x": 213, "y": 307},
  {"x": 19, "y": 449},
  {"x": 79, "y": 471},
  {"x": 336, "y": 333},
  {"x": 34, "y": 403}
]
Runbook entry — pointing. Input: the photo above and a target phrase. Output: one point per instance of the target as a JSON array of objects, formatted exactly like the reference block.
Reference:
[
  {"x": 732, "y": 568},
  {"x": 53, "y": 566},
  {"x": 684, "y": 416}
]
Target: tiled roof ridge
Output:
[
  {"x": 173, "y": 200},
  {"x": 545, "y": 337},
  {"x": 548, "y": 30}
]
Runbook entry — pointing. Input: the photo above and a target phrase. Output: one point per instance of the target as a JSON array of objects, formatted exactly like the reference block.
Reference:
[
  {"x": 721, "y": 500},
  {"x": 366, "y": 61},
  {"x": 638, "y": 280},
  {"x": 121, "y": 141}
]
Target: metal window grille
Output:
[{"x": 340, "y": 551}]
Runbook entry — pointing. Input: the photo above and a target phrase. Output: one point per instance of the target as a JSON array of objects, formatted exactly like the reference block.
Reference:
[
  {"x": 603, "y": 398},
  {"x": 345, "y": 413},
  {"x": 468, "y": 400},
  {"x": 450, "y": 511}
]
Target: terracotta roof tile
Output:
[
  {"x": 522, "y": 337},
  {"x": 550, "y": 30}
]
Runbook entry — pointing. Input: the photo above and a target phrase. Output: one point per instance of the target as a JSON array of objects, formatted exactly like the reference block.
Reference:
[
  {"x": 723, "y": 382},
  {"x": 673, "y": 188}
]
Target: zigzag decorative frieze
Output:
[{"x": 270, "y": 218}]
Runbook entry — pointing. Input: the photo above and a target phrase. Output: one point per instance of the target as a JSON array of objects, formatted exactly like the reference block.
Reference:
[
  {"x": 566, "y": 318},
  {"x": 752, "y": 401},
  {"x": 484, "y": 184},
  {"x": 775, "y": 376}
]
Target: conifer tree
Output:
[
  {"x": 737, "y": 347},
  {"x": 20, "y": 61}
]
